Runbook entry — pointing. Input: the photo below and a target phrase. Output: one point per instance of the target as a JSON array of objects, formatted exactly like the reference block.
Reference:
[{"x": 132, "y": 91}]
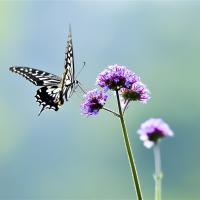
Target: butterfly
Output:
[{"x": 54, "y": 88}]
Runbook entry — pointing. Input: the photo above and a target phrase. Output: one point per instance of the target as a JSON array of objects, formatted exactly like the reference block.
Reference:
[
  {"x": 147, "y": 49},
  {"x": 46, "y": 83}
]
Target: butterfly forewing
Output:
[
  {"x": 69, "y": 69},
  {"x": 36, "y": 76}
]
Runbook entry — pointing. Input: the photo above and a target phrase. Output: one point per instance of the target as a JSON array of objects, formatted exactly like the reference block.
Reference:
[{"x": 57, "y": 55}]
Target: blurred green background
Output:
[{"x": 63, "y": 155}]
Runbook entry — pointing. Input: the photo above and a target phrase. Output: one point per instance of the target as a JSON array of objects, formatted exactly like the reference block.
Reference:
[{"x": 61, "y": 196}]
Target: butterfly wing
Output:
[
  {"x": 36, "y": 76},
  {"x": 69, "y": 81},
  {"x": 49, "y": 97}
]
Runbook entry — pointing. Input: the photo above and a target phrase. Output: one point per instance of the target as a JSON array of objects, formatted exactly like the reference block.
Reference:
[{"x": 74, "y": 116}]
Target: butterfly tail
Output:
[
  {"x": 48, "y": 97},
  {"x": 41, "y": 111}
]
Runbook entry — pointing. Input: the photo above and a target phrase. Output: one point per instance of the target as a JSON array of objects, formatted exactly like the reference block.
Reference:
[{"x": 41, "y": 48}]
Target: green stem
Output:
[
  {"x": 129, "y": 151},
  {"x": 158, "y": 172},
  {"x": 125, "y": 107},
  {"x": 114, "y": 113}
]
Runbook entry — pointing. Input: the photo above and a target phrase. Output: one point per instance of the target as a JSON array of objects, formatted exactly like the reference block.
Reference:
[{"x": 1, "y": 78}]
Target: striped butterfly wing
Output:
[
  {"x": 36, "y": 76},
  {"x": 49, "y": 97},
  {"x": 69, "y": 81}
]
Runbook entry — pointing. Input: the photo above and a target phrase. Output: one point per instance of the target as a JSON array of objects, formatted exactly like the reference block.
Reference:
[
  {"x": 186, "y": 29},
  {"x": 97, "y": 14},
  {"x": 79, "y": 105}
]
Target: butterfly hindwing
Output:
[
  {"x": 36, "y": 76},
  {"x": 49, "y": 97}
]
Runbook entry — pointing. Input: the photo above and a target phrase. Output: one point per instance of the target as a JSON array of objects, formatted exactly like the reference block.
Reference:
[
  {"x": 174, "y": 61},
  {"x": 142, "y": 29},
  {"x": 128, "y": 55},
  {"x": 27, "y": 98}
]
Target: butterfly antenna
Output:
[
  {"x": 78, "y": 82},
  {"x": 84, "y": 63}
]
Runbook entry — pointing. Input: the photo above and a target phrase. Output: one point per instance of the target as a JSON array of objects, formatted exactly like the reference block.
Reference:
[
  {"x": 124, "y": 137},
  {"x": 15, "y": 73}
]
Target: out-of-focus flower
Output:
[
  {"x": 137, "y": 92},
  {"x": 94, "y": 101},
  {"x": 116, "y": 77},
  {"x": 152, "y": 130}
]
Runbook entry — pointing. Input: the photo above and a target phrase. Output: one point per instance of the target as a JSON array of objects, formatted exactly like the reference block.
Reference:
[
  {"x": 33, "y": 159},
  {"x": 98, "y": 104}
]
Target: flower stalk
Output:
[
  {"x": 129, "y": 151},
  {"x": 114, "y": 113},
  {"x": 158, "y": 172},
  {"x": 128, "y": 87}
]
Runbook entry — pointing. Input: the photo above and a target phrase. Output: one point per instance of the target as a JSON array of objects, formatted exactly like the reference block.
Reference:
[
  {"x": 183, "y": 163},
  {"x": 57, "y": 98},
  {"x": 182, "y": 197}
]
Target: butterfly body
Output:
[{"x": 54, "y": 88}]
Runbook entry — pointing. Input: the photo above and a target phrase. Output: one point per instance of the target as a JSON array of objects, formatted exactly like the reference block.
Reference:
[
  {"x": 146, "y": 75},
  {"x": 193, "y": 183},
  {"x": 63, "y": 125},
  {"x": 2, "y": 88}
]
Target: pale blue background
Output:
[{"x": 63, "y": 155}]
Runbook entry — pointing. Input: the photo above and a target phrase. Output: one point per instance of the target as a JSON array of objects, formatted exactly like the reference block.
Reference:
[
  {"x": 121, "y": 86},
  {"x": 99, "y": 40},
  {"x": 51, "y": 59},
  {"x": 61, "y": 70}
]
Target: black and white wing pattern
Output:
[
  {"x": 36, "y": 76},
  {"x": 69, "y": 80},
  {"x": 50, "y": 96}
]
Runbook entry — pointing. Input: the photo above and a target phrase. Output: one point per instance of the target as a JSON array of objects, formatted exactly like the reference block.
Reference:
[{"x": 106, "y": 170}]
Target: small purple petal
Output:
[
  {"x": 137, "y": 92},
  {"x": 153, "y": 130},
  {"x": 94, "y": 101}
]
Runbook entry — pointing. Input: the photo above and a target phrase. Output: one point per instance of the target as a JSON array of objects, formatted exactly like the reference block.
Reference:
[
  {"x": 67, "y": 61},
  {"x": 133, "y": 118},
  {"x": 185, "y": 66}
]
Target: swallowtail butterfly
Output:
[{"x": 54, "y": 88}]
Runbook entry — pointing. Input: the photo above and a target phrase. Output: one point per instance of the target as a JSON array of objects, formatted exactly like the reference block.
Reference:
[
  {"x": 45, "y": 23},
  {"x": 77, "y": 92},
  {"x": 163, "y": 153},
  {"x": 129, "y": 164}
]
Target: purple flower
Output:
[
  {"x": 153, "y": 130},
  {"x": 137, "y": 92},
  {"x": 116, "y": 77},
  {"x": 94, "y": 101}
]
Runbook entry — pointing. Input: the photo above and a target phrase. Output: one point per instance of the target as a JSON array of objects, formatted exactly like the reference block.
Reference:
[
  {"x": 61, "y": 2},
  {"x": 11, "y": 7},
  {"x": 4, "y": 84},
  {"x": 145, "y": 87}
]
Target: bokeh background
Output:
[{"x": 63, "y": 155}]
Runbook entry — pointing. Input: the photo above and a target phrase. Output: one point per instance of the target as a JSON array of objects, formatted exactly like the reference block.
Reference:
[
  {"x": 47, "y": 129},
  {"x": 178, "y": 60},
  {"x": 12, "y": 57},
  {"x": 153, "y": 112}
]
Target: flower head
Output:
[
  {"x": 137, "y": 92},
  {"x": 153, "y": 130},
  {"x": 116, "y": 77},
  {"x": 94, "y": 101}
]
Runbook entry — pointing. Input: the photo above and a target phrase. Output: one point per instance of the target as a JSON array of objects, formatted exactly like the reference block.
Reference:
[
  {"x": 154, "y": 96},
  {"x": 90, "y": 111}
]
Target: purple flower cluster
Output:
[
  {"x": 137, "y": 92},
  {"x": 116, "y": 77},
  {"x": 153, "y": 130},
  {"x": 94, "y": 101}
]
